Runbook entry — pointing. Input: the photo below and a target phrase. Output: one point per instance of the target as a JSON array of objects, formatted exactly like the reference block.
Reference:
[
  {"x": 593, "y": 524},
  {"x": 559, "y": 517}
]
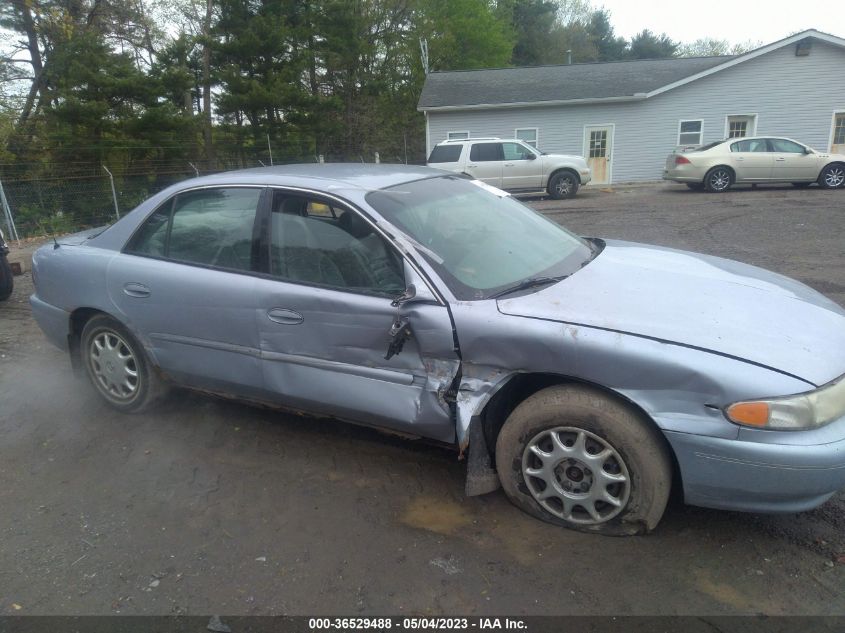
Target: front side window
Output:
[
  {"x": 690, "y": 132},
  {"x": 477, "y": 241},
  {"x": 527, "y": 135},
  {"x": 312, "y": 242},
  {"x": 211, "y": 227},
  {"x": 784, "y": 146},
  {"x": 516, "y": 151},
  {"x": 485, "y": 152}
]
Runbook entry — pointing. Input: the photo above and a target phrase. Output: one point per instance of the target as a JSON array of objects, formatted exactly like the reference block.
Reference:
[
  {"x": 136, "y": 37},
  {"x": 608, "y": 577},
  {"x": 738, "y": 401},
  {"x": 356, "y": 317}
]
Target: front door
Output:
[
  {"x": 837, "y": 143},
  {"x": 791, "y": 162},
  {"x": 598, "y": 141},
  {"x": 521, "y": 169},
  {"x": 324, "y": 317}
]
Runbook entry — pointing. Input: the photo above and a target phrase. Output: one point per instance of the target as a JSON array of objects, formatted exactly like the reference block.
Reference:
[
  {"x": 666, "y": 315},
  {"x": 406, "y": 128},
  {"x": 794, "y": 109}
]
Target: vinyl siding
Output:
[{"x": 791, "y": 96}]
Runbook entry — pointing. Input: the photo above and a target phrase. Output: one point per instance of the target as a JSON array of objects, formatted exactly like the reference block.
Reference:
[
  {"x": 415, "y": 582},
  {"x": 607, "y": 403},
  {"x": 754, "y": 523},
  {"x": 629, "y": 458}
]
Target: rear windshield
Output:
[
  {"x": 704, "y": 147},
  {"x": 445, "y": 154}
]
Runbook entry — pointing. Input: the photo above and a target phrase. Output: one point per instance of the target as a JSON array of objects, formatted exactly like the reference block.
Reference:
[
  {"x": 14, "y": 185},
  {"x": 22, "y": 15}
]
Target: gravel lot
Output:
[{"x": 214, "y": 507}]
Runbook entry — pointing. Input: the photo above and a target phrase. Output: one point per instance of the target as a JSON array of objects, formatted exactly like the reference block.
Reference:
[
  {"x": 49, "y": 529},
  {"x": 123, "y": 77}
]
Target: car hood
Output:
[
  {"x": 699, "y": 301},
  {"x": 569, "y": 157}
]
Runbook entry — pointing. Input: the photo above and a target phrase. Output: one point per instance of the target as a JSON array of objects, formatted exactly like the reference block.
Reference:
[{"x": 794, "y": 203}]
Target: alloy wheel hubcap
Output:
[
  {"x": 720, "y": 180},
  {"x": 114, "y": 366},
  {"x": 564, "y": 186},
  {"x": 576, "y": 475},
  {"x": 835, "y": 177}
]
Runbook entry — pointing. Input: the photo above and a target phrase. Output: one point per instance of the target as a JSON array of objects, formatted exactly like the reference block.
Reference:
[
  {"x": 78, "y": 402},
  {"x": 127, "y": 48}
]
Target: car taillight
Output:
[{"x": 681, "y": 160}]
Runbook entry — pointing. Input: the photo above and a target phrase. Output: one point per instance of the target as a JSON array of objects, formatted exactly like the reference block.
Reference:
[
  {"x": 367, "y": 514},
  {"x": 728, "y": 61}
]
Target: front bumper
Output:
[
  {"x": 761, "y": 476},
  {"x": 585, "y": 176},
  {"x": 53, "y": 321}
]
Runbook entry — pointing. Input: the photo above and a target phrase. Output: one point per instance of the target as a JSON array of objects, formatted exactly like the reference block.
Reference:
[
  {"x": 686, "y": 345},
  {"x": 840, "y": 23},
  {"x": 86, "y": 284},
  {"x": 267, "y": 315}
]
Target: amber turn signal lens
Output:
[{"x": 750, "y": 413}]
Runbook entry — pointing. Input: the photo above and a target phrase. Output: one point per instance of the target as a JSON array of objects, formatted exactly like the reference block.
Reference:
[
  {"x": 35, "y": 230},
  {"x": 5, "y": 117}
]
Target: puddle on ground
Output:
[{"x": 439, "y": 515}]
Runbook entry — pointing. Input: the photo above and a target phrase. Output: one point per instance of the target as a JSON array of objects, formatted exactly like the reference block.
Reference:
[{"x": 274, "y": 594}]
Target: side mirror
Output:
[
  {"x": 530, "y": 156},
  {"x": 416, "y": 289},
  {"x": 807, "y": 150}
]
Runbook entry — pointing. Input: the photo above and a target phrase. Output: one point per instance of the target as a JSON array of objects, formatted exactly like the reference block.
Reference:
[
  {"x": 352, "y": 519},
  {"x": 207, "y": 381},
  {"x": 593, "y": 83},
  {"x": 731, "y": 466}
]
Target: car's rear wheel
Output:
[
  {"x": 563, "y": 184},
  {"x": 117, "y": 366},
  {"x": 695, "y": 186},
  {"x": 718, "y": 179},
  {"x": 572, "y": 456},
  {"x": 7, "y": 282},
  {"x": 832, "y": 176}
]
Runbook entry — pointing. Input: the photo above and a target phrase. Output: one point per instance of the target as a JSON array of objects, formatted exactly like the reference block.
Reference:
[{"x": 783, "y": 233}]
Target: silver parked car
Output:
[
  {"x": 717, "y": 166},
  {"x": 587, "y": 376}
]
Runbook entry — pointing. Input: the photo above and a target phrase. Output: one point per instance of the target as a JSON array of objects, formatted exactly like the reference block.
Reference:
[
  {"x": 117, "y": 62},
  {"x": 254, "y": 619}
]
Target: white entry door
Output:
[
  {"x": 598, "y": 150},
  {"x": 837, "y": 141}
]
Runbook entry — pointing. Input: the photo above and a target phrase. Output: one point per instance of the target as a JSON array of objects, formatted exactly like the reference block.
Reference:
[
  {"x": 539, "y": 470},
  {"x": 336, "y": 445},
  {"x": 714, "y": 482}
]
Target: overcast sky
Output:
[{"x": 733, "y": 20}]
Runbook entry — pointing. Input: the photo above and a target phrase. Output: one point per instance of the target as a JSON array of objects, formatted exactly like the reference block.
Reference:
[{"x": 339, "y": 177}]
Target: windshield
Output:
[{"x": 479, "y": 240}]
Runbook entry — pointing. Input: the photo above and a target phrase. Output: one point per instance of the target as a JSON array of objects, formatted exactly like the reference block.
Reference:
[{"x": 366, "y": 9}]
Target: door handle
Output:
[
  {"x": 508, "y": 164},
  {"x": 780, "y": 159},
  {"x": 739, "y": 159},
  {"x": 284, "y": 316},
  {"x": 471, "y": 166},
  {"x": 134, "y": 289}
]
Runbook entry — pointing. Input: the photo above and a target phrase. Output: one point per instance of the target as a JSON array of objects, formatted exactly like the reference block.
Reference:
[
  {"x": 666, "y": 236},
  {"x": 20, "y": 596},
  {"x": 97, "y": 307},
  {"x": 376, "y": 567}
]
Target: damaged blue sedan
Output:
[{"x": 586, "y": 377}]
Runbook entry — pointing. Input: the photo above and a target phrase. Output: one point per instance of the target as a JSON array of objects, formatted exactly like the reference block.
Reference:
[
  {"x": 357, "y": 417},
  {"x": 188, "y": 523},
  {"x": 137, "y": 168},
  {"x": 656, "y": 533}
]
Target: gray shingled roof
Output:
[{"x": 557, "y": 83}]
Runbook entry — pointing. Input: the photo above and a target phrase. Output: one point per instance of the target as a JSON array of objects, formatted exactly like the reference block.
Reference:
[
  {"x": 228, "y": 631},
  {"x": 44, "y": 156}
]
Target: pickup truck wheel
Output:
[
  {"x": 572, "y": 456},
  {"x": 564, "y": 184},
  {"x": 118, "y": 367},
  {"x": 7, "y": 282}
]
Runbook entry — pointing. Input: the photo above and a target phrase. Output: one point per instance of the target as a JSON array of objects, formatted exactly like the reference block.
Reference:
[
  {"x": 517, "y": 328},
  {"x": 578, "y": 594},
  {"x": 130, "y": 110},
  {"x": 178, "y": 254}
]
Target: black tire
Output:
[
  {"x": 718, "y": 179},
  {"x": 563, "y": 184},
  {"x": 801, "y": 185},
  {"x": 638, "y": 452},
  {"x": 695, "y": 186},
  {"x": 832, "y": 176},
  {"x": 133, "y": 394},
  {"x": 7, "y": 281}
]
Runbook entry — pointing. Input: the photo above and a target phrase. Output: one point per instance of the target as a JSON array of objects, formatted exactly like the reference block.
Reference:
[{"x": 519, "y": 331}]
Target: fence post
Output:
[
  {"x": 378, "y": 158},
  {"x": 270, "y": 149},
  {"x": 194, "y": 167},
  {"x": 321, "y": 159},
  {"x": 7, "y": 211},
  {"x": 113, "y": 193}
]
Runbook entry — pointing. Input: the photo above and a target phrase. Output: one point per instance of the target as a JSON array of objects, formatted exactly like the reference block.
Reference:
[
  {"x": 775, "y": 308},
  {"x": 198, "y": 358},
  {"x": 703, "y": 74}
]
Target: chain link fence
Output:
[{"x": 59, "y": 203}]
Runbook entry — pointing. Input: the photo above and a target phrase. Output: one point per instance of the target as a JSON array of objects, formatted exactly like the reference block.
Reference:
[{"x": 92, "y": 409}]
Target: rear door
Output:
[
  {"x": 485, "y": 163},
  {"x": 325, "y": 314},
  {"x": 185, "y": 284},
  {"x": 751, "y": 160}
]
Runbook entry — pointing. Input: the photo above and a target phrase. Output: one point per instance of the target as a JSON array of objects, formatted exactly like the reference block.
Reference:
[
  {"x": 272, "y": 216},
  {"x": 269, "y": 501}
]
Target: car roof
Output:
[{"x": 319, "y": 176}]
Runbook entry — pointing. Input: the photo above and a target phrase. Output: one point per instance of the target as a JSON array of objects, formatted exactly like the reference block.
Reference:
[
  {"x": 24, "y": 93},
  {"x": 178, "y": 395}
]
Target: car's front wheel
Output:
[
  {"x": 572, "y": 456},
  {"x": 718, "y": 179},
  {"x": 117, "y": 366},
  {"x": 563, "y": 185},
  {"x": 833, "y": 176}
]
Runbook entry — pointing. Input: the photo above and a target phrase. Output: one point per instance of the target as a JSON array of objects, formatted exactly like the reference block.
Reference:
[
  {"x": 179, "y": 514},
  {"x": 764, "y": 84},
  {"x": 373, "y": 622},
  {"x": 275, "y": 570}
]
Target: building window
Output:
[
  {"x": 839, "y": 129},
  {"x": 527, "y": 135},
  {"x": 740, "y": 125},
  {"x": 455, "y": 136},
  {"x": 690, "y": 132}
]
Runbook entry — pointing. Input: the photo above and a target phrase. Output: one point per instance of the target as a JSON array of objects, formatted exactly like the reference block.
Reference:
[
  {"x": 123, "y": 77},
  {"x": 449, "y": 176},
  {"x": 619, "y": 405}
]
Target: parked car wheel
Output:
[
  {"x": 695, "y": 186},
  {"x": 564, "y": 184},
  {"x": 718, "y": 179},
  {"x": 118, "y": 367},
  {"x": 574, "y": 457},
  {"x": 832, "y": 176},
  {"x": 7, "y": 282},
  {"x": 801, "y": 185}
]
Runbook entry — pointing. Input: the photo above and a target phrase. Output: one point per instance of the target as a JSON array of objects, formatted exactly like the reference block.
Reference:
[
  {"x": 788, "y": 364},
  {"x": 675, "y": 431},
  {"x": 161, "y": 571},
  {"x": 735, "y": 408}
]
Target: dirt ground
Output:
[{"x": 214, "y": 507}]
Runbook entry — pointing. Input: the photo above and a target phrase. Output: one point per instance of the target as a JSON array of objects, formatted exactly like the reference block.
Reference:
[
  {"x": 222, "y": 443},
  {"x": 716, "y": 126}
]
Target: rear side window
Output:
[
  {"x": 212, "y": 227},
  {"x": 750, "y": 145},
  {"x": 445, "y": 154},
  {"x": 482, "y": 152}
]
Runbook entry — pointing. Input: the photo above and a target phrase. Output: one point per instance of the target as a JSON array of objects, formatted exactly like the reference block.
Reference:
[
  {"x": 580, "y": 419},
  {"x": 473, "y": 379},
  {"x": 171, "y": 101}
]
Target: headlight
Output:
[{"x": 793, "y": 413}]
